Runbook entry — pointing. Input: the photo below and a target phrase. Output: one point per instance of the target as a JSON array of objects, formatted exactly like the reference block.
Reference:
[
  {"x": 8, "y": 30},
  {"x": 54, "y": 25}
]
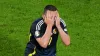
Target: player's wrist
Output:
[
  {"x": 58, "y": 26},
  {"x": 49, "y": 25}
]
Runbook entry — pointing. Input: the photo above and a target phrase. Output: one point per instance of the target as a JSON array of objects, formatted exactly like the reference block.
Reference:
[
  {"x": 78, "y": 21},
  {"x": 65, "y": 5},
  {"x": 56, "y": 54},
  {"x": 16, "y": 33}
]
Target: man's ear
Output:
[{"x": 43, "y": 16}]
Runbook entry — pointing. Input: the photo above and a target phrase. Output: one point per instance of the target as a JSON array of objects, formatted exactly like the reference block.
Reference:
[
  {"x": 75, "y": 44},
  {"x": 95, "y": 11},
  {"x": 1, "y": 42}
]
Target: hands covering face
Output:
[
  {"x": 57, "y": 20},
  {"x": 51, "y": 18}
]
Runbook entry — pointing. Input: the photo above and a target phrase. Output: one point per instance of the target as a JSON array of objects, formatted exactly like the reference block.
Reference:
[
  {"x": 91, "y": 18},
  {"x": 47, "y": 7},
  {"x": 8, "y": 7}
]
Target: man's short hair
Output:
[{"x": 50, "y": 7}]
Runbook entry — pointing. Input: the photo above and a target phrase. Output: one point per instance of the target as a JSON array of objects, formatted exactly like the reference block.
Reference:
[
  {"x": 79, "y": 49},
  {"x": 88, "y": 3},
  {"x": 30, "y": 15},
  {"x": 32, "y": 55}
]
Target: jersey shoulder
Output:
[
  {"x": 62, "y": 22},
  {"x": 37, "y": 20},
  {"x": 37, "y": 23}
]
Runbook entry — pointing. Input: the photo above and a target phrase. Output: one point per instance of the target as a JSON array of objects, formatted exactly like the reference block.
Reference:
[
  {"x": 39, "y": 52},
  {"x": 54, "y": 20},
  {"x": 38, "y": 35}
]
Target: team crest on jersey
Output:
[
  {"x": 37, "y": 33},
  {"x": 54, "y": 31}
]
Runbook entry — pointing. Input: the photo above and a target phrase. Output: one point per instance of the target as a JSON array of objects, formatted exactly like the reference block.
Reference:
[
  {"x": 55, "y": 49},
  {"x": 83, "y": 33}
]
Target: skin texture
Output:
[{"x": 49, "y": 18}]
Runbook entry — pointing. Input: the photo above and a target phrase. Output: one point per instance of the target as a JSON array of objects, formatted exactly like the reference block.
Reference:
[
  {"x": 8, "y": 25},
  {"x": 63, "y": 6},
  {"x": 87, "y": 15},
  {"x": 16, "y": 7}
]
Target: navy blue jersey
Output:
[{"x": 37, "y": 30}]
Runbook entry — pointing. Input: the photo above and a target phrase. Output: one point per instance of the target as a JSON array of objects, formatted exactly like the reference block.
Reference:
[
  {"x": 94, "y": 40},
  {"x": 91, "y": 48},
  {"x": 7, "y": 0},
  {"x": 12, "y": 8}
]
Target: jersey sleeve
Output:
[
  {"x": 63, "y": 26},
  {"x": 36, "y": 31}
]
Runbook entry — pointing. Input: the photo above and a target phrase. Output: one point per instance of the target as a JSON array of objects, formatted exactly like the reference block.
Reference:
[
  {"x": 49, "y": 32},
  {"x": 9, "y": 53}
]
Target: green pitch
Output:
[{"x": 81, "y": 16}]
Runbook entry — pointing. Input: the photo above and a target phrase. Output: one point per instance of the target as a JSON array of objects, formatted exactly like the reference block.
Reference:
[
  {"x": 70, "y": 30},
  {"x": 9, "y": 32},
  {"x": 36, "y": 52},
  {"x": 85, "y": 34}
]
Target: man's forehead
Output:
[{"x": 48, "y": 11}]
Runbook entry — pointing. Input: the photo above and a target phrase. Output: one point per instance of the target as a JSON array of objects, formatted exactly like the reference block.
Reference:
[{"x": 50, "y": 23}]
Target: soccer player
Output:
[{"x": 44, "y": 33}]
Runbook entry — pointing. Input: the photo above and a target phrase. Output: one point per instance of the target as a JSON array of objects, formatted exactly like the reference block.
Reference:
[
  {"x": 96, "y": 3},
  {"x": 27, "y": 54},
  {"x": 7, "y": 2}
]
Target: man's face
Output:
[{"x": 52, "y": 13}]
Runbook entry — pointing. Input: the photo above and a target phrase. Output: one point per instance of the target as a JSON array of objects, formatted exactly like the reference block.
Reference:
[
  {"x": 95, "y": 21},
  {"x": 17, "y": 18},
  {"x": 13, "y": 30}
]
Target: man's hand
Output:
[
  {"x": 49, "y": 20},
  {"x": 57, "y": 20},
  {"x": 65, "y": 37}
]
